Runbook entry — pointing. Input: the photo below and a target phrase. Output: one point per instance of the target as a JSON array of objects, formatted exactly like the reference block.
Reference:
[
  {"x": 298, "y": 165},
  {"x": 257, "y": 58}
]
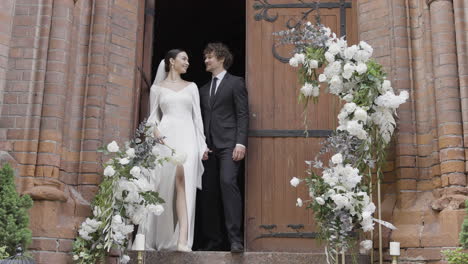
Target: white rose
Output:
[
  {"x": 109, "y": 171},
  {"x": 124, "y": 161},
  {"x": 322, "y": 78},
  {"x": 347, "y": 75},
  {"x": 179, "y": 158},
  {"x": 386, "y": 86},
  {"x": 337, "y": 158},
  {"x": 293, "y": 62},
  {"x": 366, "y": 47},
  {"x": 125, "y": 259},
  {"x": 299, "y": 57},
  {"x": 295, "y": 181},
  {"x": 313, "y": 64},
  {"x": 328, "y": 56},
  {"x": 349, "y": 107},
  {"x": 320, "y": 200},
  {"x": 156, "y": 209},
  {"x": 361, "y": 68},
  {"x": 113, "y": 147},
  {"x": 130, "y": 152},
  {"x": 75, "y": 257},
  {"x": 299, "y": 202},
  {"x": 334, "y": 48},
  {"x": 135, "y": 171},
  {"x": 349, "y": 52},
  {"x": 348, "y": 98},
  {"x": 360, "y": 114},
  {"x": 366, "y": 245},
  {"x": 306, "y": 90},
  {"x": 315, "y": 91}
]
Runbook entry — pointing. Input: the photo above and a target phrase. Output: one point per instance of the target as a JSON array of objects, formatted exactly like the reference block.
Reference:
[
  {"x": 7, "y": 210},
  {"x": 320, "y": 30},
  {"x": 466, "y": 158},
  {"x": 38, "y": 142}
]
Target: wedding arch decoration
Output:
[
  {"x": 339, "y": 194},
  {"x": 125, "y": 196}
]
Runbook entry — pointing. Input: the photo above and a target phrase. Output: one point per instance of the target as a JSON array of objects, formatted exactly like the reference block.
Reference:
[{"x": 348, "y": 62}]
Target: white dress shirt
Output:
[{"x": 220, "y": 77}]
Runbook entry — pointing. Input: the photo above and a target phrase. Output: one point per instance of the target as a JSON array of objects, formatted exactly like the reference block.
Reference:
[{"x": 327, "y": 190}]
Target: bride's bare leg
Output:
[{"x": 181, "y": 206}]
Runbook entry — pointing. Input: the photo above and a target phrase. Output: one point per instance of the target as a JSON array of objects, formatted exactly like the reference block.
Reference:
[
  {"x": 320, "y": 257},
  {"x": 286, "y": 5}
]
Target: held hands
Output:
[
  {"x": 238, "y": 153},
  {"x": 205, "y": 155}
]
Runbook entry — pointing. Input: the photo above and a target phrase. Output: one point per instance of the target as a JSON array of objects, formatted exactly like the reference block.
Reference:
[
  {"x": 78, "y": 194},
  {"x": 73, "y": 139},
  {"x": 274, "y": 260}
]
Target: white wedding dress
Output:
[{"x": 178, "y": 116}]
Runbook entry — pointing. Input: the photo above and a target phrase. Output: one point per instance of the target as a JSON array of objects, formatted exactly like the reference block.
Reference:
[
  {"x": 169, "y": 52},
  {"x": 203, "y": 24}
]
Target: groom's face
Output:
[{"x": 212, "y": 62}]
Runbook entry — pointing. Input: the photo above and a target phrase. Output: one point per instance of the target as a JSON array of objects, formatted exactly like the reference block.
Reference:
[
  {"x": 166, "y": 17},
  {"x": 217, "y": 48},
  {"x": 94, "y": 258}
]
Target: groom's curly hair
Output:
[{"x": 221, "y": 51}]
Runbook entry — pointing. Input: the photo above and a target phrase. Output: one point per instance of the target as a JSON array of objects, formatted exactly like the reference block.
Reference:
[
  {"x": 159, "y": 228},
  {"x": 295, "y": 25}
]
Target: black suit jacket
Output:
[{"x": 226, "y": 118}]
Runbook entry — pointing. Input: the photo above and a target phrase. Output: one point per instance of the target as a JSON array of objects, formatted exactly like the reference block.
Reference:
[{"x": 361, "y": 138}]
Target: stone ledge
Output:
[{"x": 200, "y": 257}]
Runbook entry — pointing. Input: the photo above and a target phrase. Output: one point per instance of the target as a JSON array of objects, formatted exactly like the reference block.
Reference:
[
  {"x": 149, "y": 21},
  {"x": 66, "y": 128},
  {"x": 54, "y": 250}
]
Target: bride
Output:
[{"x": 175, "y": 108}]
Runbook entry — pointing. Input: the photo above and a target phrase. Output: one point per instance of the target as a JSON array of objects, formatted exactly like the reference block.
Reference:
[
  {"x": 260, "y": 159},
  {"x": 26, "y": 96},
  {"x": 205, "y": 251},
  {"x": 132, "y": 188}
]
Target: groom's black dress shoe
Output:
[{"x": 237, "y": 248}]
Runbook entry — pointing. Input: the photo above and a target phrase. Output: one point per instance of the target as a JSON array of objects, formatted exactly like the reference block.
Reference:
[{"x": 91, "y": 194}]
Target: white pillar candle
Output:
[
  {"x": 394, "y": 248},
  {"x": 139, "y": 243}
]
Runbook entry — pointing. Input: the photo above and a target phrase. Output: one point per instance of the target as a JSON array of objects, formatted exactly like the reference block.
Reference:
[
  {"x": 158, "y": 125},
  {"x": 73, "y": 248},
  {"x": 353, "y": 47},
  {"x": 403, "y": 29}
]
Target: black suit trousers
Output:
[{"x": 220, "y": 180}]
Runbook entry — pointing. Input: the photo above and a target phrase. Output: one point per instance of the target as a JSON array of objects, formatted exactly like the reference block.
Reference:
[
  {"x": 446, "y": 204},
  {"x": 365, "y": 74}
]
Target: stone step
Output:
[{"x": 201, "y": 257}]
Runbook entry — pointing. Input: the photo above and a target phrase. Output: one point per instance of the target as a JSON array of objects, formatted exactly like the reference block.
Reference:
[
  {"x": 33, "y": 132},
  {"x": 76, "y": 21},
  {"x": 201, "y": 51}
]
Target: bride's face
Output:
[{"x": 180, "y": 63}]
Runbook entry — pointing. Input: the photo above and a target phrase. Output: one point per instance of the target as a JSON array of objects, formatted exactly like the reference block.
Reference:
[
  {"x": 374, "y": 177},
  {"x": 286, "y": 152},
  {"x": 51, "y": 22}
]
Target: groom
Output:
[{"x": 225, "y": 112}]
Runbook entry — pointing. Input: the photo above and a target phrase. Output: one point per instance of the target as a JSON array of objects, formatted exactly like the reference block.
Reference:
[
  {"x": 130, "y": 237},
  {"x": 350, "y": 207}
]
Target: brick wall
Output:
[
  {"x": 67, "y": 86},
  {"x": 422, "y": 45}
]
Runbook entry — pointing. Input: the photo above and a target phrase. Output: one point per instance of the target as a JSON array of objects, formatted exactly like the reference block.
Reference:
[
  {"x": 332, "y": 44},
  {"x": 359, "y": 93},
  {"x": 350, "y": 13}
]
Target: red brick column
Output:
[{"x": 448, "y": 104}]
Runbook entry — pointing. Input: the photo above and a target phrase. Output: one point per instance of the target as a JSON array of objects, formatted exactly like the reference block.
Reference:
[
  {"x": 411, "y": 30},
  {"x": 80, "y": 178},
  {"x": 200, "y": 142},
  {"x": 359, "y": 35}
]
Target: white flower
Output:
[
  {"x": 347, "y": 75},
  {"x": 337, "y": 158},
  {"x": 293, "y": 62},
  {"x": 322, "y": 78},
  {"x": 299, "y": 57},
  {"x": 348, "y": 98},
  {"x": 299, "y": 202},
  {"x": 366, "y": 245},
  {"x": 179, "y": 158},
  {"x": 143, "y": 184},
  {"x": 137, "y": 215},
  {"x": 391, "y": 100},
  {"x": 84, "y": 235},
  {"x": 135, "y": 171},
  {"x": 124, "y": 161},
  {"x": 349, "y": 52},
  {"x": 130, "y": 152},
  {"x": 156, "y": 209},
  {"x": 366, "y": 47},
  {"x": 320, "y": 200},
  {"x": 295, "y": 181},
  {"x": 328, "y": 56},
  {"x": 313, "y": 64},
  {"x": 307, "y": 89},
  {"x": 355, "y": 129},
  {"x": 109, "y": 171},
  {"x": 361, "y": 68},
  {"x": 386, "y": 86},
  {"x": 75, "y": 257},
  {"x": 334, "y": 48},
  {"x": 340, "y": 201},
  {"x": 349, "y": 107},
  {"x": 113, "y": 147},
  {"x": 156, "y": 151},
  {"x": 308, "y": 23},
  {"x": 360, "y": 114},
  {"x": 362, "y": 56},
  {"x": 125, "y": 259},
  {"x": 315, "y": 91}
]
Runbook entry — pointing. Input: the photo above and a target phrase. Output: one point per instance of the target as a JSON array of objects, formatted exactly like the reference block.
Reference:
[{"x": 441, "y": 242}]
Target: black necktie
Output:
[{"x": 213, "y": 89}]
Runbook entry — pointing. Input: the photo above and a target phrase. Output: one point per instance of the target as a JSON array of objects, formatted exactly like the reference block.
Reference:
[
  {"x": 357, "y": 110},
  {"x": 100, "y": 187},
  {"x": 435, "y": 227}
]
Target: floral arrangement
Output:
[
  {"x": 125, "y": 196},
  {"x": 339, "y": 195}
]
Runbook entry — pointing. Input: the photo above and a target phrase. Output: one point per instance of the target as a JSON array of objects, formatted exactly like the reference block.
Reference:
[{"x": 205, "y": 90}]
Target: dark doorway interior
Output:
[{"x": 190, "y": 25}]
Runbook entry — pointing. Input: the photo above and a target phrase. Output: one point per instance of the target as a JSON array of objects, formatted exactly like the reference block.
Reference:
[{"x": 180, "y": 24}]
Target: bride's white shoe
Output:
[{"x": 183, "y": 248}]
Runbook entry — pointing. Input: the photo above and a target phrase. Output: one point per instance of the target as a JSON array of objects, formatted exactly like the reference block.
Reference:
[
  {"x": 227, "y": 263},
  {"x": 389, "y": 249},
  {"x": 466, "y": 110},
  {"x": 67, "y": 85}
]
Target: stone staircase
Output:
[{"x": 200, "y": 257}]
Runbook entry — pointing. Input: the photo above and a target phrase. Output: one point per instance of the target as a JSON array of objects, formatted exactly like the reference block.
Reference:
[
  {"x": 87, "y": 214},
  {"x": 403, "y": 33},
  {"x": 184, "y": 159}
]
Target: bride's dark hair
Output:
[{"x": 172, "y": 54}]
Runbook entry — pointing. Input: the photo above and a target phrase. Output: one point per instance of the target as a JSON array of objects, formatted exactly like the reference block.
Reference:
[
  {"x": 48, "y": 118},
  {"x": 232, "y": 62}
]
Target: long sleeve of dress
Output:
[
  {"x": 155, "y": 113},
  {"x": 198, "y": 124}
]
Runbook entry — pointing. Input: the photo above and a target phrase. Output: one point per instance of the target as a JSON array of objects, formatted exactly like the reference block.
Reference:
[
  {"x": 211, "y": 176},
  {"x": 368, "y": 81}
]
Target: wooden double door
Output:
[{"x": 277, "y": 148}]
